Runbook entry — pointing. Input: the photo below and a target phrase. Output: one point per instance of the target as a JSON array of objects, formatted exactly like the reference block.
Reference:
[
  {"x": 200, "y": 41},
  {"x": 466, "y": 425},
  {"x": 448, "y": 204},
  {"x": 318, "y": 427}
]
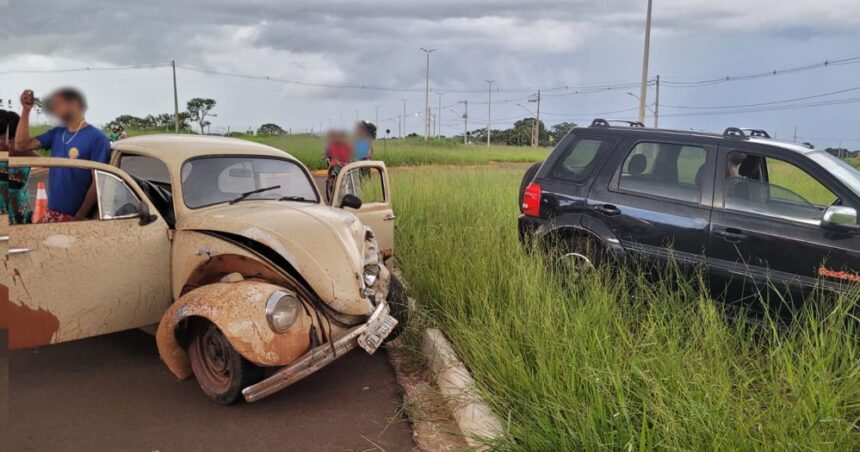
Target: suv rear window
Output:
[
  {"x": 579, "y": 159},
  {"x": 667, "y": 170}
]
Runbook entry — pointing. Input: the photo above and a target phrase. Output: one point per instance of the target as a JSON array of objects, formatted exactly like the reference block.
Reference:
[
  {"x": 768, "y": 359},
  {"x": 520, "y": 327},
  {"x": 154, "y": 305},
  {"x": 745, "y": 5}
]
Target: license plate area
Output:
[{"x": 371, "y": 339}]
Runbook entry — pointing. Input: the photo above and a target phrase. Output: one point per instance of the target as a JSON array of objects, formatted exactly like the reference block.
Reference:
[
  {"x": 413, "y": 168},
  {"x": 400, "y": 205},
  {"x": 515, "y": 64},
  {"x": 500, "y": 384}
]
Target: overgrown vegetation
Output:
[
  {"x": 407, "y": 152},
  {"x": 615, "y": 361}
]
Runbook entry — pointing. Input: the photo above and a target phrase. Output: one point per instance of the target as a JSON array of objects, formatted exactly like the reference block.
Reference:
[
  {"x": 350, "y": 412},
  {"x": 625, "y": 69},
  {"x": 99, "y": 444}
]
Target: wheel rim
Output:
[
  {"x": 576, "y": 264},
  {"x": 214, "y": 359}
]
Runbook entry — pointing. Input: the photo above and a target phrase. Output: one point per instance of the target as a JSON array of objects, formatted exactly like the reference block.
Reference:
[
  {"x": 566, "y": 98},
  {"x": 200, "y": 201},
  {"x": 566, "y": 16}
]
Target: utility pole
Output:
[
  {"x": 465, "y": 121},
  {"x": 175, "y": 98},
  {"x": 489, "y": 108},
  {"x": 643, "y": 88},
  {"x": 536, "y": 123},
  {"x": 427, "y": 95},
  {"x": 439, "y": 117},
  {"x": 399, "y": 127},
  {"x": 404, "y": 118},
  {"x": 795, "y": 135},
  {"x": 657, "y": 104}
]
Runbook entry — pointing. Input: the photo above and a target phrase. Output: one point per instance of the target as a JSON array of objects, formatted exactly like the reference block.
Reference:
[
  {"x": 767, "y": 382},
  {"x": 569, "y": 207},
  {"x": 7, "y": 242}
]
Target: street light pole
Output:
[
  {"x": 489, "y": 108},
  {"x": 175, "y": 99},
  {"x": 403, "y": 133},
  {"x": 643, "y": 88},
  {"x": 439, "y": 116},
  {"x": 657, "y": 104},
  {"x": 465, "y": 121},
  {"x": 427, "y": 95}
]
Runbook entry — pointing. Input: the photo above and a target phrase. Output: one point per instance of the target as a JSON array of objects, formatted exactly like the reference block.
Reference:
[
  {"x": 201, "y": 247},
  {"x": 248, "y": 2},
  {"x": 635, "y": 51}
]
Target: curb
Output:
[{"x": 471, "y": 413}]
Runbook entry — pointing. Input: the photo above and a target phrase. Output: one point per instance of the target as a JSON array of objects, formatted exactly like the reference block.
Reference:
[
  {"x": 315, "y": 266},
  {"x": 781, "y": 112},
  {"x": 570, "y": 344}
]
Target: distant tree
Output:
[
  {"x": 270, "y": 129},
  {"x": 558, "y": 131},
  {"x": 200, "y": 108}
]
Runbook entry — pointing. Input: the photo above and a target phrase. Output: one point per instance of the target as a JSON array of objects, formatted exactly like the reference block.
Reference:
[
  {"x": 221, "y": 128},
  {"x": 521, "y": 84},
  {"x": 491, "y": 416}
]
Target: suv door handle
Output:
[
  {"x": 731, "y": 235},
  {"x": 607, "y": 209}
]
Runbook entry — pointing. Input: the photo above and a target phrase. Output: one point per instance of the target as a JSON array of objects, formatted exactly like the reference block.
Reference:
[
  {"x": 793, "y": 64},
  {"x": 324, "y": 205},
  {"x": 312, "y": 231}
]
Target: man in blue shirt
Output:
[{"x": 71, "y": 191}]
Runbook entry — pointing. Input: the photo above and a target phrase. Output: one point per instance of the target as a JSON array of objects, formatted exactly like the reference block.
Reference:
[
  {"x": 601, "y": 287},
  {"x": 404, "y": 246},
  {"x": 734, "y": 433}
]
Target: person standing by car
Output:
[
  {"x": 14, "y": 197},
  {"x": 365, "y": 133},
  {"x": 71, "y": 191}
]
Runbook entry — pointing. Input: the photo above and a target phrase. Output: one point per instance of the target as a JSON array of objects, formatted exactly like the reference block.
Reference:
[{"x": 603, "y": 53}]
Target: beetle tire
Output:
[
  {"x": 398, "y": 302},
  {"x": 220, "y": 370}
]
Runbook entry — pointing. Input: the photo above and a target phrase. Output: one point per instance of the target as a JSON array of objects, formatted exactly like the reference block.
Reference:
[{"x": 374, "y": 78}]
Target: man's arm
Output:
[
  {"x": 25, "y": 145},
  {"x": 88, "y": 204}
]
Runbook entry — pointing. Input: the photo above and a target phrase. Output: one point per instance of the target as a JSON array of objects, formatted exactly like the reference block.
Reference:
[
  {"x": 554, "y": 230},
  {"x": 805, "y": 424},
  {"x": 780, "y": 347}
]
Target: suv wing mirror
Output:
[
  {"x": 840, "y": 219},
  {"x": 143, "y": 213}
]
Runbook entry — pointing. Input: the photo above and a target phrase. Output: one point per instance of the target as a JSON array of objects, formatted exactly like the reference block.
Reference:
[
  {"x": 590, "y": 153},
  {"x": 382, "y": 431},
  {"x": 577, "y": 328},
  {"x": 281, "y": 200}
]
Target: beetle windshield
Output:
[
  {"x": 214, "y": 180},
  {"x": 846, "y": 173}
]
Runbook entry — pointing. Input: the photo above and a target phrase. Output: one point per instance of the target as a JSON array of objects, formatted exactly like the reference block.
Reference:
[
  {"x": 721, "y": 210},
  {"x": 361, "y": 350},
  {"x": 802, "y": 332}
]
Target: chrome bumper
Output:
[{"x": 319, "y": 357}]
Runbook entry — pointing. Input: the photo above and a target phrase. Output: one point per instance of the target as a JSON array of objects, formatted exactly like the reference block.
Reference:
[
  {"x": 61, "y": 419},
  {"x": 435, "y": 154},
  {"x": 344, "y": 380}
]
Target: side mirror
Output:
[
  {"x": 143, "y": 213},
  {"x": 351, "y": 201},
  {"x": 840, "y": 219}
]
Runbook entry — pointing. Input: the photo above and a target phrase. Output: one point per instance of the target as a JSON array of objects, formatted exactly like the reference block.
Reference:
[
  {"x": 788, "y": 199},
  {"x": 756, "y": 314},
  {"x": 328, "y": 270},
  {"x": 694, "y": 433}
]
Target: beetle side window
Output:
[
  {"x": 667, "y": 170},
  {"x": 146, "y": 168},
  {"x": 116, "y": 200},
  {"x": 773, "y": 187},
  {"x": 580, "y": 160}
]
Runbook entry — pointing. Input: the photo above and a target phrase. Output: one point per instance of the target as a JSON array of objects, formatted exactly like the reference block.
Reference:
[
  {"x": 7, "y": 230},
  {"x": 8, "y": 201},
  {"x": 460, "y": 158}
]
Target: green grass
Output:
[
  {"x": 408, "y": 152},
  {"x": 613, "y": 361}
]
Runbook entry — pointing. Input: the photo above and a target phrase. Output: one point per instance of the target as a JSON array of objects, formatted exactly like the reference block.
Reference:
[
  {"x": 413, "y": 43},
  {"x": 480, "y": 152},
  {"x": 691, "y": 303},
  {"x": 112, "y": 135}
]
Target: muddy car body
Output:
[{"x": 227, "y": 246}]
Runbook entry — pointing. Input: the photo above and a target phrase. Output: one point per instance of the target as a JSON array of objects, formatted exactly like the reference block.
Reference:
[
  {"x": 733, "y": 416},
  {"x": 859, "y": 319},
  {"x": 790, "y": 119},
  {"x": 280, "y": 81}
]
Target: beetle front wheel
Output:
[{"x": 220, "y": 370}]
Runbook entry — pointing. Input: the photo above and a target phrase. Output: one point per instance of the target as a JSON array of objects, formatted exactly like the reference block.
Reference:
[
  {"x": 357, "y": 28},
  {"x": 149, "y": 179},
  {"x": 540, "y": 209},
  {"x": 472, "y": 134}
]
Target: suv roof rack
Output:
[
  {"x": 600, "y": 122},
  {"x": 758, "y": 133},
  {"x": 734, "y": 132}
]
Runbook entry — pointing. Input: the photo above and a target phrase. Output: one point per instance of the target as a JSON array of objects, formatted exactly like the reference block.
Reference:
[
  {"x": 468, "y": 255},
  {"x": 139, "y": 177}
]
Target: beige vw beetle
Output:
[{"x": 253, "y": 280}]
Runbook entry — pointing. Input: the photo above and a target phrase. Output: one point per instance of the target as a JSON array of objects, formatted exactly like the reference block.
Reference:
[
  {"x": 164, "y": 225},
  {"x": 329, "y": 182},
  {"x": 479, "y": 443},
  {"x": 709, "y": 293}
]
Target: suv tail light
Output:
[{"x": 531, "y": 200}]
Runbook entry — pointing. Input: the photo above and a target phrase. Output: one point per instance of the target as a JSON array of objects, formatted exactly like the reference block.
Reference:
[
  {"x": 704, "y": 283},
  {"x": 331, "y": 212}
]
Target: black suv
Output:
[{"x": 746, "y": 207}]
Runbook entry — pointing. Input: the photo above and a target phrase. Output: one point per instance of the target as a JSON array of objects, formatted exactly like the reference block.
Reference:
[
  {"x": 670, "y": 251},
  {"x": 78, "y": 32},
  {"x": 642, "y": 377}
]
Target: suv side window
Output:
[
  {"x": 787, "y": 191},
  {"x": 579, "y": 160},
  {"x": 668, "y": 170}
]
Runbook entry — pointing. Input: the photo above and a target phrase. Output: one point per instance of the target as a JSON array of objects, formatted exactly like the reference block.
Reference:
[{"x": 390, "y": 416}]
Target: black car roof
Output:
[{"x": 627, "y": 131}]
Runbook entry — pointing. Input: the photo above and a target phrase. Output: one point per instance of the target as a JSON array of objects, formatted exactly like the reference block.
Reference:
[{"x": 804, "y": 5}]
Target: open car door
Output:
[
  {"x": 77, "y": 279},
  {"x": 368, "y": 180}
]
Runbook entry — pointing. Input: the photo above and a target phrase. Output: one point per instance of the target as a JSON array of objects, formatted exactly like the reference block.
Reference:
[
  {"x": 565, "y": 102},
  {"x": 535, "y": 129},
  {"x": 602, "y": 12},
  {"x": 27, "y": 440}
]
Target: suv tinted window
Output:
[
  {"x": 668, "y": 170},
  {"x": 579, "y": 160},
  {"x": 789, "y": 192}
]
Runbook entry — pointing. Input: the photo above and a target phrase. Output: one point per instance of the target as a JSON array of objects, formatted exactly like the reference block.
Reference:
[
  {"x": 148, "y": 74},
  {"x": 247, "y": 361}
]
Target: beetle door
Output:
[
  {"x": 368, "y": 180},
  {"x": 77, "y": 279}
]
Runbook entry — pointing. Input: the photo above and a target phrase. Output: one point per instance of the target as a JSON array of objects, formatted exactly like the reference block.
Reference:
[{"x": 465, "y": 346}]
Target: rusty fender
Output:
[{"x": 238, "y": 310}]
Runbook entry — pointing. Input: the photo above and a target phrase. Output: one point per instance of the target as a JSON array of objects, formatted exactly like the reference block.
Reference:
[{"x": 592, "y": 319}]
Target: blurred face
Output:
[{"x": 66, "y": 110}]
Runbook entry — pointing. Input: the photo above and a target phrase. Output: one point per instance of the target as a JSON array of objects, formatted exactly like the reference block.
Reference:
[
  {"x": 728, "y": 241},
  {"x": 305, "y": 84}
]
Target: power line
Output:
[{"x": 761, "y": 104}]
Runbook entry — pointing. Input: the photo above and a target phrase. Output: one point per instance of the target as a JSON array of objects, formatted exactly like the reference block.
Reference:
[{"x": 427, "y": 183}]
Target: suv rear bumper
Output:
[{"x": 528, "y": 228}]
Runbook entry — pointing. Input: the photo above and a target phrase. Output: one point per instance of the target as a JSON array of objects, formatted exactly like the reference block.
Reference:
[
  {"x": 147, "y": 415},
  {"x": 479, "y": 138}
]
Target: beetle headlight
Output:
[
  {"x": 371, "y": 274},
  {"x": 282, "y": 310}
]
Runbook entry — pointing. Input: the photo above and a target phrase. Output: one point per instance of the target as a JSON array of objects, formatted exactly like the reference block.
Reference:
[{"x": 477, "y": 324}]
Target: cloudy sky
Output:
[{"x": 522, "y": 45}]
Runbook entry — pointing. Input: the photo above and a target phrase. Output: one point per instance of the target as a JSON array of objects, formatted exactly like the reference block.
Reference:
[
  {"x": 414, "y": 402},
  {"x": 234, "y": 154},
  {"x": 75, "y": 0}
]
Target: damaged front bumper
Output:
[{"x": 368, "y": 335}]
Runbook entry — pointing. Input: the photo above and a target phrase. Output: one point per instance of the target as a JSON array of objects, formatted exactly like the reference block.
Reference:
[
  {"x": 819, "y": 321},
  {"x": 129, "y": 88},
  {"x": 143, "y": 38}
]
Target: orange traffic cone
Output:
[{"x": 41, "y": 203}]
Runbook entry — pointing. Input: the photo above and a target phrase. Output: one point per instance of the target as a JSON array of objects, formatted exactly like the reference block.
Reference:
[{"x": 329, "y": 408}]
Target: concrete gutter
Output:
[{"x": 476, "y": 420}]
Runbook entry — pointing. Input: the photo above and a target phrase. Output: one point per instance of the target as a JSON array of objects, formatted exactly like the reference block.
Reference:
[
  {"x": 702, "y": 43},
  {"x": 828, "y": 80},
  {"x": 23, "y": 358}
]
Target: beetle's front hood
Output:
[{"x": 324, "y": 244}]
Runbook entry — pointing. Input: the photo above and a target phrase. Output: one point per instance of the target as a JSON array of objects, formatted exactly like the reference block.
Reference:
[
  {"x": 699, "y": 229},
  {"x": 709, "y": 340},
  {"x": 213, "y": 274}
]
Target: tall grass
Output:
[
  {"x": 614, "y": 360},
  {"x": 408, "y": 152}
]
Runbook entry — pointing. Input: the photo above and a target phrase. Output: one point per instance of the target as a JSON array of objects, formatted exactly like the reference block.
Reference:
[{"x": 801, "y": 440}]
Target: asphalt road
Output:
[{"x": 113, "y": 393}]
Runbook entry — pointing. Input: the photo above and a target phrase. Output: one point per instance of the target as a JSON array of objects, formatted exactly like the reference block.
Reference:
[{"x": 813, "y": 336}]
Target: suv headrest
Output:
[{"x": 637, "y": 164}]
